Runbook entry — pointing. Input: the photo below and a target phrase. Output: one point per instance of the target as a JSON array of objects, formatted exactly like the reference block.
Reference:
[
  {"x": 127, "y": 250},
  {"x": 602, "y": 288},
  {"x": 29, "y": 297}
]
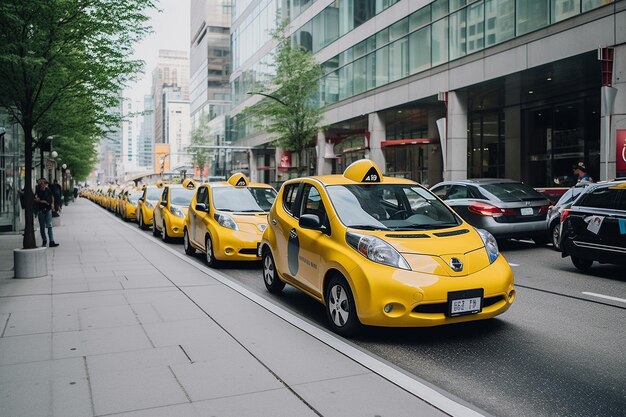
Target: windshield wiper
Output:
[
  {"x": 251, "y": 211},
  {"x": 432, "y": 226},
  {"x": 368, "y": 227}
]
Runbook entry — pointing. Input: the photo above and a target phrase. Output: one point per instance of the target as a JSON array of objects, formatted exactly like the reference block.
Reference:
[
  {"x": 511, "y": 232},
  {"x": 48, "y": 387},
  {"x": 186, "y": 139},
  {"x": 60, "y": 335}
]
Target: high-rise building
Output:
[
  {"x": 210, "y": 66},
  {"x": 145, "y": 144},
  {"x": 446, "y": 89},
  {"x": 171, "y": 74}
]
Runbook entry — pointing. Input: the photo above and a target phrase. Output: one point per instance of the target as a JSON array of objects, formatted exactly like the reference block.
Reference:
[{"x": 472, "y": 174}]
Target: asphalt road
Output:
[{"x": 559, "y": 350}]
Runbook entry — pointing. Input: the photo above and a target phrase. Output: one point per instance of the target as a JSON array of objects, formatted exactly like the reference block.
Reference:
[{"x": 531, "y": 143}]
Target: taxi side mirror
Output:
[
  {"x": 311, "y": 221},
  {"x": 163, "y": 203},
  {"x": 201, "y": 207},
  {"x": 141, "y": 199}
]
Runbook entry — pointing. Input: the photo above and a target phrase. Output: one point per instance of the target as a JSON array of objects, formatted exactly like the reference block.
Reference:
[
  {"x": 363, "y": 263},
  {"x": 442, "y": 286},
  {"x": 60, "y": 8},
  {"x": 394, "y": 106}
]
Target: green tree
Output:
[
  {"x": 291, "y": 108},
  {"x": 199, "y": 139},
  {"x": 56, "y": 51}
]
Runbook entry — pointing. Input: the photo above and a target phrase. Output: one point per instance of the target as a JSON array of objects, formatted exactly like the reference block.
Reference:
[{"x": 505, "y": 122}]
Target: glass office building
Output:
[{"x": 448, "y": 88}]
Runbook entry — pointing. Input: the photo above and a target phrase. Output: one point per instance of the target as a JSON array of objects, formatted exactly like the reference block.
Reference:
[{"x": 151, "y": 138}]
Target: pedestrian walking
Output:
[
  {"x": 580, "y": 170},
  {"x": 57, "y": 192},
  {"x": 44, "y": 201}
]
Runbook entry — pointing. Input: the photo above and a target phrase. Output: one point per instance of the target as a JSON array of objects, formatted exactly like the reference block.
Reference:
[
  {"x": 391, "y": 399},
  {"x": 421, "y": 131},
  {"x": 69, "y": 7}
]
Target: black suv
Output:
[{"x": 594, "y": 227}]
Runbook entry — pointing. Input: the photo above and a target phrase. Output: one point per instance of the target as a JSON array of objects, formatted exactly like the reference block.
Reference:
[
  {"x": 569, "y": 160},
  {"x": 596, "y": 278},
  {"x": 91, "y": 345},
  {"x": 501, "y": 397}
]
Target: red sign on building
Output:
[
  {"x": 620, "y": 151},
  {"x": 285, "y": 161}
]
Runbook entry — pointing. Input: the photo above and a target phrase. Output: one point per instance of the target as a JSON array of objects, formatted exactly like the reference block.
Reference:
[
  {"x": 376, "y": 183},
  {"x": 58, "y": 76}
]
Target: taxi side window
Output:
[
  {"x": 289, "y": 197},
  {"x": 312, "y": 202},
  {"x": 164, "y": 195},
  {"x": 202, "y": 195}
]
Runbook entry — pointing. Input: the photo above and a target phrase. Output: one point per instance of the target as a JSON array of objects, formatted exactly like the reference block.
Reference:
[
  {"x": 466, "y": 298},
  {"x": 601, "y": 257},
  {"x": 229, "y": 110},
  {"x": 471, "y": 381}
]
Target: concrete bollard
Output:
[{"x": 30, "y": 263}]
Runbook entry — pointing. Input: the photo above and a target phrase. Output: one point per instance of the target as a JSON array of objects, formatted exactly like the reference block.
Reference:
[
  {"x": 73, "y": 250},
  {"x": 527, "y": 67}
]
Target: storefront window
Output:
[{"x": 486, "y": 147}]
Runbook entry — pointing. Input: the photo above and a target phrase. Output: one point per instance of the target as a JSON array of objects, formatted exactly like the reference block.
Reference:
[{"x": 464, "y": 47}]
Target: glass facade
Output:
[{"x": 440, "y": 32}]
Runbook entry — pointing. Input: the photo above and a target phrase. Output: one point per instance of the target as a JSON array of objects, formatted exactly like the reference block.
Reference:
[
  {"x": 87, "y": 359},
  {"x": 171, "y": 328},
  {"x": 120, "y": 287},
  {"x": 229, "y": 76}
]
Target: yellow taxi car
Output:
[
  {"x": 382, "y": 251},
  {"x": 146, "y": 203},
  {"x": 128, "y": 203},
  {"x": 226, "y": 219},
  {"x": 169, "y": 214}
]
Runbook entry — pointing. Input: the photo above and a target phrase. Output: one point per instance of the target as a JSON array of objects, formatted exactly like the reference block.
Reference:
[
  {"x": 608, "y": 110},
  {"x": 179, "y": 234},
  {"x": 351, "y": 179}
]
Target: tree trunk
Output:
[{"x": 29, "y": 241}]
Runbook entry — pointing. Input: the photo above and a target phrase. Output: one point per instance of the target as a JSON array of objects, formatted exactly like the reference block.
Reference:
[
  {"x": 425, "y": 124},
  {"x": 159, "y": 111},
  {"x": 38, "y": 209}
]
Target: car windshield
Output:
[
  {"x": 512, "y": 191},
  {"x": 181, "y": 196},
  {"x": 389, "y": 207},
  {"x": 153, "y": 193},
  {"x": 248, "y": 199},
  {"x": 133, "y": 196}
]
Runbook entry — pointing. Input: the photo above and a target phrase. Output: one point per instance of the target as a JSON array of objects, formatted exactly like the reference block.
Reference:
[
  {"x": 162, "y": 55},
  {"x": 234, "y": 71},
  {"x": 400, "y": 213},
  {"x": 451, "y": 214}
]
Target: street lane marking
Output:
[
  {"x": 607, "y": 297},
  {"x": 513, "y": 264}
]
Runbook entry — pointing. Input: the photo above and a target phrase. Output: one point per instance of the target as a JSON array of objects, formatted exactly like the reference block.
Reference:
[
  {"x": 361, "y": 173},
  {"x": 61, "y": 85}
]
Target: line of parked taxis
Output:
[{"x": 373, "y": 250}]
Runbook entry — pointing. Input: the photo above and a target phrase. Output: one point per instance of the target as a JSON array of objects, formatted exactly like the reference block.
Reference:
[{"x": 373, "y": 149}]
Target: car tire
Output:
[
  {"x": 142, "y": 225},
  {"x": 164, "y": 235},
  {"x": 189, "y": 250},
  {"x": 555, "y": 235},
  {"x": 155, "y": 231},
  {"x": 582, "y": 264},
  {"x": 270, "y": 277},
  {"x": 209, "y": 256},
  {"x": 340, "y": 307}
]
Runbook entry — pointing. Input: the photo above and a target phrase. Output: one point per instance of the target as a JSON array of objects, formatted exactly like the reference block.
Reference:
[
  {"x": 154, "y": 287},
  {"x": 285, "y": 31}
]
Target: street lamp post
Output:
[{"x": 44, "y": 145}]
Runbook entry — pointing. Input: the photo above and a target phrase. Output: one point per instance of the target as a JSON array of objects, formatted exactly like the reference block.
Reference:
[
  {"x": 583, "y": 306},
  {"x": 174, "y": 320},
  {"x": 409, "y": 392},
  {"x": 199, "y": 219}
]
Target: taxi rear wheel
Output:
[
  {"x": 270, "y": 277},
  {"x": 189, "y": 250},
  {"x": 209, "y": 255},
  {"x": 142, "y": 225},
  {"x": 340, "y": 307},
  {"x": 164, "y": 235},
  {"x": 155, "y": 231}
]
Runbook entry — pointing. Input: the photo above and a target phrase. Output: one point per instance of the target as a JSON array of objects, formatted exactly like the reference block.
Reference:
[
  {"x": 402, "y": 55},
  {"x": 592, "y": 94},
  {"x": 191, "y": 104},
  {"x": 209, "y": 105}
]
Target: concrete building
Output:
[
  {"x": 176, "y": 122},
  {"x": 145, "y": 144},
  {"x": 210, "y": 66},
  {"x": 448, "y": 89},
  {"x": 170, "y": 74}
]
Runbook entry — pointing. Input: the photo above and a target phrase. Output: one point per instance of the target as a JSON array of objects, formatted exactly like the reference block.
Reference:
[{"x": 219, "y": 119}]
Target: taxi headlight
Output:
[
  {"x": 376, "y": 250},
  {"x": 226, "y": 221},
  {"x": 491, "y": 246},
  {"x": 262, "y": 227},
  {"x": 149, "y": 204},
  {"x": 177, "y": 212}
]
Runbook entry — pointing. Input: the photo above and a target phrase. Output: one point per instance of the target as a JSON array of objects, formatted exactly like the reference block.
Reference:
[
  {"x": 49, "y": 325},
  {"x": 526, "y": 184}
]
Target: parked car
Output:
[
  {"x": 594, "y": 227},
  {"x": 226, "y": 219},
  {"x": 553, "y": 218},
  {"x": 503, "y": 207},
  {"x": 168, "y": 217},
  {"x": 381, "y": 251},
  {"x": 146, "y": 203}
]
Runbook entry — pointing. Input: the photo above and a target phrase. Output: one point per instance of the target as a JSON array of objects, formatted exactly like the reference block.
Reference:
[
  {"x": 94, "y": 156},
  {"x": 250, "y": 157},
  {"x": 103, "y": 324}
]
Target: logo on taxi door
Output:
[{"x": 293, "y": 252}]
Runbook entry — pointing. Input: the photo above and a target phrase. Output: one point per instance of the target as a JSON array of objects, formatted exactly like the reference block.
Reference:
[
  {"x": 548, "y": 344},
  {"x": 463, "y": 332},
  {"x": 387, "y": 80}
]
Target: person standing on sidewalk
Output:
[
  {"x": 44, "y": 201},
  {"x": 57, "y": 192}
]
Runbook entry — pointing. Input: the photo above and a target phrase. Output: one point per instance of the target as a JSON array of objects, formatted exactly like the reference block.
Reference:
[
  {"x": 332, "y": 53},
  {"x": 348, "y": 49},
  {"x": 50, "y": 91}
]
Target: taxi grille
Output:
[
  {"x": 249, "y": 251},
  {"x": 443, "y": 307}
]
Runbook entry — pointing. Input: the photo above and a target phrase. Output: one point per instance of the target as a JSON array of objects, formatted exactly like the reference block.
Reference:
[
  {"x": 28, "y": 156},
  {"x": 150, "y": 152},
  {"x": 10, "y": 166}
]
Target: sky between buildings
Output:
[{"x": 170, "y": 28}]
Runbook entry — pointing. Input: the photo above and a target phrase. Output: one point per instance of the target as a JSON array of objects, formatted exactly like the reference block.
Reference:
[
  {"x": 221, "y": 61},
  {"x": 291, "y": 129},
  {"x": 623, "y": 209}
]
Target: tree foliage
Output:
[
  {"x": 291, "y": 112},
  {"x": 65, "y": 57}
]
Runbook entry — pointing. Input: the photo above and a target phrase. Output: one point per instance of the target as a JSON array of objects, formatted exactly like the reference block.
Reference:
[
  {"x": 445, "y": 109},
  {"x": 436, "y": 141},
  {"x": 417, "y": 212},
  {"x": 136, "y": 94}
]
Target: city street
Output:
[{"x": 555, "y": 352}]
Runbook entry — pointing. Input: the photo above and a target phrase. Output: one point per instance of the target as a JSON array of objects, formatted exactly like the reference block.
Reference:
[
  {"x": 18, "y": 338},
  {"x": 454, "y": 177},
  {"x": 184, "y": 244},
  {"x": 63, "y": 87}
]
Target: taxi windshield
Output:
[
  {"x": 133, "y": 196},
  {"x": 390, "y": 207},
  {"x": 249, "y": 199},
  {"x": 181, "y": 196},
  {"x": 153, "y": 193}
]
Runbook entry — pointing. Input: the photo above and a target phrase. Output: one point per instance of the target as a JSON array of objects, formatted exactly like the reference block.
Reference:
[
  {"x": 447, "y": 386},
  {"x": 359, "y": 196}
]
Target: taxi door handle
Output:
[{"x": 274, "y": 222}]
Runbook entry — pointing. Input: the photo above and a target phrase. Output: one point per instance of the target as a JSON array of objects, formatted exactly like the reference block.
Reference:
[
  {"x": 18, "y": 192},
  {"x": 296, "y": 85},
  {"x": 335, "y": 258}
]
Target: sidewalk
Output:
[{"x": 122, "y": 326}]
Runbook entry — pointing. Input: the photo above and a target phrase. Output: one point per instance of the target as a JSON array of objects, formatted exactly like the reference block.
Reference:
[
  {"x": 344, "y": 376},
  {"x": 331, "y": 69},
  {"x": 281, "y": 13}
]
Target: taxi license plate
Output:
[
  {"x": 465, "y": 302},
  {"x": 527, "y": 211}
]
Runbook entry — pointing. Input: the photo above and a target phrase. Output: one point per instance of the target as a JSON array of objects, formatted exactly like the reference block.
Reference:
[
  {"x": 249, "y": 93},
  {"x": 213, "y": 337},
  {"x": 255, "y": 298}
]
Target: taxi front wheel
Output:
[
  {"x": 155, "y": 231},
  {"x": 340, "y": 307},
  {"x": 272, "y": 282}
]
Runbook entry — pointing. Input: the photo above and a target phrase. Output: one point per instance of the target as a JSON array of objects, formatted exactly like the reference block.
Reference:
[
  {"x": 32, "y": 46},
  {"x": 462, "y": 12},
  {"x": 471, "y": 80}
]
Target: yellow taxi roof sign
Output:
[
  {"x": 238, "y": 180},
  {"x": 189, "y": 183},
  {"x": 363, "y": 170},
  {"x": 160, "y": 184}
]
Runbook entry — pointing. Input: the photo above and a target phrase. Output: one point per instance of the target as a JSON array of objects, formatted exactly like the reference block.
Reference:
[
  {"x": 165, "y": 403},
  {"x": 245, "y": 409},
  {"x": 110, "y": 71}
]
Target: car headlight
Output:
[
  {"x": 376, "y": 250},
  {"x": 491, "y": 246},
  {"x": 149, "y": 204},
  {"x": 177, "y": 212},
  {"x": 262, "y": 227},
  {"x": 226, "y": 221}
]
